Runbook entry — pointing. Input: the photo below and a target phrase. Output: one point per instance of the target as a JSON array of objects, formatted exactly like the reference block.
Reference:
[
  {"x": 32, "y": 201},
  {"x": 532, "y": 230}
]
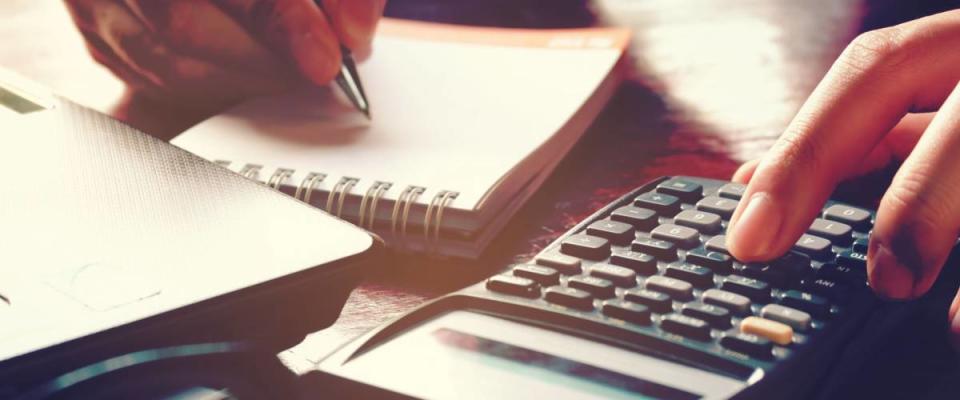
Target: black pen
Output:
[{"x": 349, "y": 80}]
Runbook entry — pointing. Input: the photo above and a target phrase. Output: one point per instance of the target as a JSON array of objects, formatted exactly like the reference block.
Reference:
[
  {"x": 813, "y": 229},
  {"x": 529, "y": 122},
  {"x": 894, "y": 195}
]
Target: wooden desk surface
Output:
[{"x": 712, "y": 85}]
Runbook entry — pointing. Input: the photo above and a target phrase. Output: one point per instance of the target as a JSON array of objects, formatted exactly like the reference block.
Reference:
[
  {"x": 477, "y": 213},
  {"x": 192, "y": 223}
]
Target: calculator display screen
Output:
[{"x": 467, "y": 355}]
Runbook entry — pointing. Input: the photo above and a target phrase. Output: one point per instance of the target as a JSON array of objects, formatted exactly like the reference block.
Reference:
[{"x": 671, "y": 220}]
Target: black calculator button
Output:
[
  {"x": 664, "y": 204},
  {"x": 677, "y": 289},
  {"x": 861, "y": 244},
  {"x": 640, "y": 218},
  {"x": 656, "y": 301},
  {"x": 813, "y": 246},
  {"x": 627, "y": 311},
  {"x": 852, "y": 259},
  {"x": 614, "y": 231},
  {"x": 736, "y": 303},
  {"x": 569, "y": 297},
  {"x": 824, "y": 287},
  {"x": 565, "y": 264},
  {"x": 818, "y": 306},
  {"x": 717, "y": 262},
  {"x": 620, "y": 276},
  {"x": 684, "y": 189},
  {"x": 843, "y": 273},
  {"x": 856, "y": 217},
  {"x": 754, "y": 289},
  {"x": 702, "y": 221},
  {"x": 698, "y": 276},
  {"x": 796, "y": 319},
  {"x": 586, "y": 246},
  {"x": 838, "y": 233},
  {"x": 765, "y": 272},
  {"x": 717, "y": 243},
  {"x": 718, "y": 205},
  {"x": 680, "y": 235},
  {"x": 717, "y": 317},
  {"x": 794, "y": 265},
  {"x": 732, "y": 191},
  {"x": 686, "y": 326},
  {"x": 660, "y": 249},
  {"x": 598, "y": 287},
  {"x": 643, "y": 264},
  {"x": 545, "y": 276},
  {"x": 751, "y": 345},
  {"x": 514, "y": 285}
]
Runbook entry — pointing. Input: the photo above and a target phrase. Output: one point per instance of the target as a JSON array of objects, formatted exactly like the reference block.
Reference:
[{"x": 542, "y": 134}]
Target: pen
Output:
[{"x": 349, "y": 80}]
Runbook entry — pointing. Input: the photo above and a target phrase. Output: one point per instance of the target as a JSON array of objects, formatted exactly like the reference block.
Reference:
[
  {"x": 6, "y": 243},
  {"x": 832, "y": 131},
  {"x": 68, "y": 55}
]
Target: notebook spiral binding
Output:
[{"x": 336, "y": 197}]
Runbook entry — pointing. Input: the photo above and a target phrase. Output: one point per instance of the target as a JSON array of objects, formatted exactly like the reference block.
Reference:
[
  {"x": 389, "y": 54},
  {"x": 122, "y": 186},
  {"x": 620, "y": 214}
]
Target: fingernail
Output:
[
  {"x": 759, "y": 223},
  {"x": 889, "y": 277}
]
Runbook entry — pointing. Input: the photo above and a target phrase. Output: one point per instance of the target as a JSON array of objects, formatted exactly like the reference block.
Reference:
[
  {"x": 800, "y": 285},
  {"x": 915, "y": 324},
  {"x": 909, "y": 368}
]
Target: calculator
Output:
[{"x": 640, "y": 300}]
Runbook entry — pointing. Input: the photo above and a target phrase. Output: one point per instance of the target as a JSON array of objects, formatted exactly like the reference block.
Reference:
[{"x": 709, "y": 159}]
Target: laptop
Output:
[{"x": 112, "y": 241}]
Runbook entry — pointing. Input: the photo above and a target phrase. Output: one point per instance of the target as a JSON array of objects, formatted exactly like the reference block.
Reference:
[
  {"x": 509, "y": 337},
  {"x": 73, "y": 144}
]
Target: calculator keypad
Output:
[{"x": 658, "y": 261}]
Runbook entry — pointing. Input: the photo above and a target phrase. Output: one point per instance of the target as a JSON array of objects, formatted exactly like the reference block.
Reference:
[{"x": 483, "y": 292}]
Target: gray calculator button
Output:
[
  {"x": 797, "y": 319},
  {"x": 837, "y": 232},
  {"x": 718, "y": 243},
  {"x": 700, "y": 220},
  {"x": 681, "y": 235},
  {"x": 732, "y": 191},
  {"x": 680, "y": 290},
  {"x": 718, "y": 205},
  {"x": 849, "y": 215},
  {"x": 561, "y": 262},
  {"x": 814, "y": 246},
  {"x": 736, "y": 303}
]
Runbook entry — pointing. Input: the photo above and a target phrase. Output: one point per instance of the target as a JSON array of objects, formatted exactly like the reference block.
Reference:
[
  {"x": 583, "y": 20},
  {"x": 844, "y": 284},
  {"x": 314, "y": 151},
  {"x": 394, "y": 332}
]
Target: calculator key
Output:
[
  {"x": 664, "y": 204},
  {"x": 717, "y": 262},
  {"x": 813, "y": 246},
  {"x": 838, "y": 233},
  {"x": 756, "y": 290},
  {"x": 640, "y": 218},
  {"x": 661, "y": 249},
  {"x": 823, "y": 287},
  {"x": 698, "y": 276},
  {"x": 614, "y": 231},
  {"x": 598, "y": 287},
  {"x": 842, "y": 273},
  {"x": 861, "y": 245},
  {"x": 686, "y": 326},
  {"x": 717, "y": 243},
  {"x": 569, "y": 297},
  {"x": 643, "y": 264},
  {"x": 700, "y": 220},
  {"x": 718, "y": 205},
  {"x": 732, "y": 191},
  {"x": 777, "y": 332},
  {"x": 680, "y": 290},
  {"x": 620, "y": 276},
  {"x": 818, "y": 306},
  {"x": 852, "y": 259},
  {"x": 586, "y": 246},
  {"x": 680, "y": 235},
  {"x": 560, "y": 262},
  {"x": 765, "y": 272},
  {"x": 686, "y": 190},
  {"x": 514, "y": 285},
  {"x": 856, "y": 217},
  {"x": 796, "y": 319},
  {"x": 656, "y": 301},
  {"x": 794, "y": 265},
  {"x": 749, "y": 344},
  {"x": 717, "y": 317},
  {"x": 736, "y": 303},
  {"x": 545, "y": 276},
  {"x": 627, "y": 311}
]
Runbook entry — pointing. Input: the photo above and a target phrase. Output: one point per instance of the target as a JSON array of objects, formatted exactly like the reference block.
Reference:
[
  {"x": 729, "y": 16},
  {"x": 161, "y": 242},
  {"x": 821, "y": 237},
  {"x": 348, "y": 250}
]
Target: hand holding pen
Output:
[{"x": 212, "y": 53}]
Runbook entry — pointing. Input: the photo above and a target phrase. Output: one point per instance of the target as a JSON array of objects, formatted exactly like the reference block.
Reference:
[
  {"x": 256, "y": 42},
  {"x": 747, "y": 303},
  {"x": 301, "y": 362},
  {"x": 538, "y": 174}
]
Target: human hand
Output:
[
  {"x": 875, "y": 105},
  {"x": 210, "y": 53}
]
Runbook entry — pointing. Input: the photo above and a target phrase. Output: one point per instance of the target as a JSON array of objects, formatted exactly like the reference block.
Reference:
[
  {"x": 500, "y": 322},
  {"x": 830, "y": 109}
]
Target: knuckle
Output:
[{"x": 876, "y": 51}]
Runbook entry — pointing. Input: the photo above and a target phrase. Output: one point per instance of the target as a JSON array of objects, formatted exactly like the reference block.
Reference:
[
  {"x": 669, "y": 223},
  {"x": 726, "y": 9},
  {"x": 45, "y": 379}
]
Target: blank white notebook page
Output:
[{"x": 447, "y": 114}]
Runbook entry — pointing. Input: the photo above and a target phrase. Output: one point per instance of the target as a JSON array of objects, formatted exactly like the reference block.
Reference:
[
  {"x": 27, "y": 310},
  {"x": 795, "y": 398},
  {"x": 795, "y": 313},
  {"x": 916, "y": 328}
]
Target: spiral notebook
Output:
[{"x": 467, "y": 124}]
